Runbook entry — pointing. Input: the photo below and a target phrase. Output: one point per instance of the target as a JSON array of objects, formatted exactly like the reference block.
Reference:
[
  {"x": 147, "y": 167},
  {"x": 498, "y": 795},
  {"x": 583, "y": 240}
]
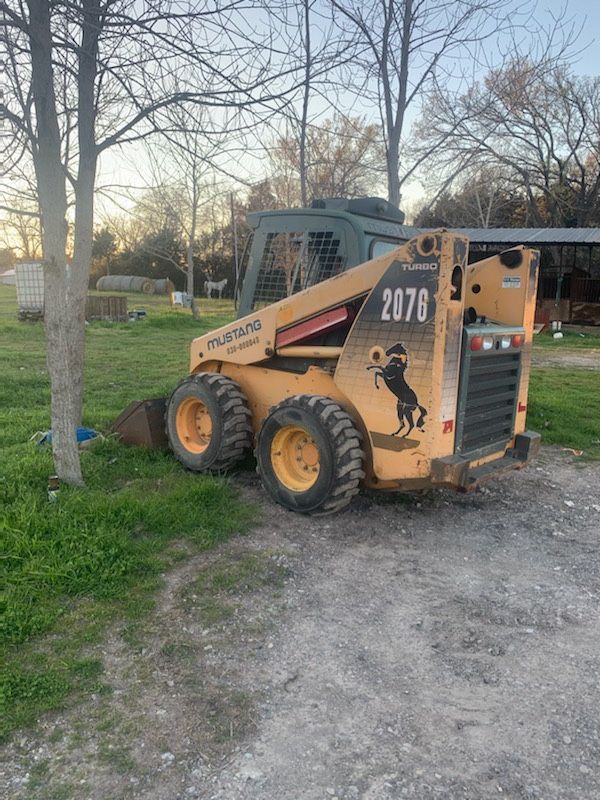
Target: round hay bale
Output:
[
  {"x": 163, "y": 286},
  {"x": 126, "y": 283}
]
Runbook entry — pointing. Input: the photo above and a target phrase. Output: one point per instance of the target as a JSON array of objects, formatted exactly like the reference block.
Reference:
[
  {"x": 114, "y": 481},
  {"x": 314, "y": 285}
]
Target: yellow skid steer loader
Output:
[{"x": 407, "y": 371}]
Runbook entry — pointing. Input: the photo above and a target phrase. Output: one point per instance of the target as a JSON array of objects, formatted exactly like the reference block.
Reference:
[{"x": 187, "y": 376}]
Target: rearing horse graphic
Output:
[{"x": 393, "y": 376}]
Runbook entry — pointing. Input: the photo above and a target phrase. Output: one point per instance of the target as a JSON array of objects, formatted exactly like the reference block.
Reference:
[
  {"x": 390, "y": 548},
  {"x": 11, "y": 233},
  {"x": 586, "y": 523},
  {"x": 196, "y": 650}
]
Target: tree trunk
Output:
[
  {"x": 190, "y": 278},
  {"x": 393, "y": 169},
  {"x": 53, "y": 206},
  {"x": 305, "y": 100},
  {"x": 192, "y": 240},
  {"x": 395, "y": 106},
  {"x": 74, "y": 316},
  {"x": 79, "y": 276},
  {"x": 60, "y": 332}
]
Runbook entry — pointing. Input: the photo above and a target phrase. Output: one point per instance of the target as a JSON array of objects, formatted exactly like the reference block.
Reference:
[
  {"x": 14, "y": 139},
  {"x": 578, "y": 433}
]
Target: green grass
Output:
[
  {"x": 571, "y": 340},
  {"x": 564, "y": 403},
  {"x": 564, "y": 406},
  {"x": 124, "y": 362},
  {"x": 68, "y": 568}
]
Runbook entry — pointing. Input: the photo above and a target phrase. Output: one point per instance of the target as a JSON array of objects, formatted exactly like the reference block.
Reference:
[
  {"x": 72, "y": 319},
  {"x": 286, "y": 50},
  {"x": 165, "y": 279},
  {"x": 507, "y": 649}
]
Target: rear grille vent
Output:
[{"x": 487, "y": 400}]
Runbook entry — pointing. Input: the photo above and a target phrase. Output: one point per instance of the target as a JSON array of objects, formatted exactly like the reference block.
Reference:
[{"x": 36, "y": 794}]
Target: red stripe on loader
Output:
[{"x": 323, "y": 323}]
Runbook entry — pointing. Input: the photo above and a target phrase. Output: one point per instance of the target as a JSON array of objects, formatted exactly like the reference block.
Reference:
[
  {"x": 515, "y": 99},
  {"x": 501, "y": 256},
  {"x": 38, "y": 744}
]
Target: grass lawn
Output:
[
  {"x": 564, "y": 404},
  {"x": 565, "y": 408},
  {"x": 571, "y": 340},
  {"x": 67, "y": 569}
]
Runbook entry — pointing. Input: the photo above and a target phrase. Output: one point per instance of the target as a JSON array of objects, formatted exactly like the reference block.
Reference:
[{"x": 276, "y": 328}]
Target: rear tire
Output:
[
  {"x": 309, "y": 455},
  {"x": 208, "y": 422}
]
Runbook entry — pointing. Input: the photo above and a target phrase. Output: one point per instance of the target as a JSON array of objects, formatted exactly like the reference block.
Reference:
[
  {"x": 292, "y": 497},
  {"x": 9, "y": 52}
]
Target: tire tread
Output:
[
  {"x": 346, "y": 442},
  {"x": 236, "y": 428}
]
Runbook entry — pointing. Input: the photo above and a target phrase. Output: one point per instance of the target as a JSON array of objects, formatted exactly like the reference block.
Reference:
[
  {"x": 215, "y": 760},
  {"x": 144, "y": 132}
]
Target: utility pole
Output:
[{"x": 236, "y": 266}]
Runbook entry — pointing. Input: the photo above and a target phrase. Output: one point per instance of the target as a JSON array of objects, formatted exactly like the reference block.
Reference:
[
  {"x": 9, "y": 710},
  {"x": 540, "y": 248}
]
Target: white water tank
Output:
[{"x": 29, "y": 277}]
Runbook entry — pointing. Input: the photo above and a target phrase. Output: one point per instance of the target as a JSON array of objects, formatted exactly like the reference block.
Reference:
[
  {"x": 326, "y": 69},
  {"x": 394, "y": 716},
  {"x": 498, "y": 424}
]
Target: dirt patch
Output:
[
  {"x": 425, "y": 646},
  {"x": 583, "y": 359}
]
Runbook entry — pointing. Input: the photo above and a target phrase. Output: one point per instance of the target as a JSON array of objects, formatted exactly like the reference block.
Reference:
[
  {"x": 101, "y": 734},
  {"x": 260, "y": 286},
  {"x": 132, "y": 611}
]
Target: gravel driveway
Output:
[{"x": 433, "y": 646}]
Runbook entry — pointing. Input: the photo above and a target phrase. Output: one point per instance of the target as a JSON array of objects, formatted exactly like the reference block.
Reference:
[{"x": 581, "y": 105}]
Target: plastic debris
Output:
[
  {"x": 53, "y": 488},
  {"x": 137, "y": 313},
  {"x": 82, "y": 434}
]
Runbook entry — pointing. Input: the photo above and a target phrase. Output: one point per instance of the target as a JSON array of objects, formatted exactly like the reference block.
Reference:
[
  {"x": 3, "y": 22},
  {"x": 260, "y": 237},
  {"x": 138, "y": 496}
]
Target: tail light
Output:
[{"x": 504, "y": 342}]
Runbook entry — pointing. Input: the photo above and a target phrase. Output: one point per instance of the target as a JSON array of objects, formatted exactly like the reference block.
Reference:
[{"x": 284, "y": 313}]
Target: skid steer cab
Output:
[{"x": 407, "y": 371}]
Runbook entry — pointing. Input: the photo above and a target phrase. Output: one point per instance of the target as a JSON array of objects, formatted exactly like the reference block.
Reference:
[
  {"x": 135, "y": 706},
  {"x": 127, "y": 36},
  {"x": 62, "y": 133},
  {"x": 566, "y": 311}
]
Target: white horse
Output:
[{"x": 216, "y": 285}]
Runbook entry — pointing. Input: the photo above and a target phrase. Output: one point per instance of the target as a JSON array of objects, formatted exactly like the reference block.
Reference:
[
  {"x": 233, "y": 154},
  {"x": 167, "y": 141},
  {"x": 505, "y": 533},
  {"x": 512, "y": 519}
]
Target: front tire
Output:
[
  {"x": 309, "y": 455},
  {"x": 208, "y": 422}
]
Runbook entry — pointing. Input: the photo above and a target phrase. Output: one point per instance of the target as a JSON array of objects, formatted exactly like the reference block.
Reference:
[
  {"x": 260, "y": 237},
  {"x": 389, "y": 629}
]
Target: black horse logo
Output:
[{"x": 393, "y": 376}]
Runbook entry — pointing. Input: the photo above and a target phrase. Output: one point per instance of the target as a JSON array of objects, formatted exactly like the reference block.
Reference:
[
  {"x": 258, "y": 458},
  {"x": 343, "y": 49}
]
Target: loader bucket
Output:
[{"x": 142, "y": 424}]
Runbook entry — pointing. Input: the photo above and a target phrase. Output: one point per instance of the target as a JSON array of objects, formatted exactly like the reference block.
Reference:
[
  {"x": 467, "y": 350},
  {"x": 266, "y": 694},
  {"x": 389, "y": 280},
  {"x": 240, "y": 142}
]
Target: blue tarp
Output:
[{"x": 83, "y": 435}]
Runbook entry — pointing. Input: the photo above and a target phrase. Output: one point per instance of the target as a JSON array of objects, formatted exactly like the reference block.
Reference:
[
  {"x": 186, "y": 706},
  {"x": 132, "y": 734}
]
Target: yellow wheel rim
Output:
[
  {"x": 295, "y": 458},
  {"x": 194, "y": 425}
]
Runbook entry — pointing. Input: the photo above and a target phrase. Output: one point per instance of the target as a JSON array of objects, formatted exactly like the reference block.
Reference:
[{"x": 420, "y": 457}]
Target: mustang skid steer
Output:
[{"x": 407, "y": 371}]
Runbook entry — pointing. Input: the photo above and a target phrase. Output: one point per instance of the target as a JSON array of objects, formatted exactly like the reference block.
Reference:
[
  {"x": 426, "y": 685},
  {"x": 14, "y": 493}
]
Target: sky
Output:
[
  {"x": 587, "y": 13},
  {"x": 123, "y": 167}
]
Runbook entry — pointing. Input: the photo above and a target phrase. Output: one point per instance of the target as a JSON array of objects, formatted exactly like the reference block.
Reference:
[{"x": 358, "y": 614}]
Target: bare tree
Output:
[
  {"x": 88, "y": 75},
  {"x": 309, "y": 29},
  {"x": 539, "y": 125},
  {"x": 104, "y": 248},
  {"x": 19, "y": 211},
  {"x": 483, "y": 199},
  {"x": 306, "y": 31},
  {"x": 168, "y": 219},
  {"x": 184, "y": 160},
  {"x": 403, "y": 46},
  {"x": 20, "y": 228},
  {"x": 344, "y": 158},
  {"x": 175, "y": 226}
]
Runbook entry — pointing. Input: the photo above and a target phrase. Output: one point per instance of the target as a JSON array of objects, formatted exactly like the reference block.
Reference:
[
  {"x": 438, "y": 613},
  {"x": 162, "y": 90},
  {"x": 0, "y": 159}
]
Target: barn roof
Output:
[
  {"x": 541, "y": 236},
  {"x": 368, "y": 208}
]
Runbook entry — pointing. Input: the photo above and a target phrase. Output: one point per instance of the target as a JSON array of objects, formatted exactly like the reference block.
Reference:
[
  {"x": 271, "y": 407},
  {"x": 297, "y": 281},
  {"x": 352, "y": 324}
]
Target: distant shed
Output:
[
  {"x": 8, "y": 277},
  {"x": 569, "y": 284}
]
